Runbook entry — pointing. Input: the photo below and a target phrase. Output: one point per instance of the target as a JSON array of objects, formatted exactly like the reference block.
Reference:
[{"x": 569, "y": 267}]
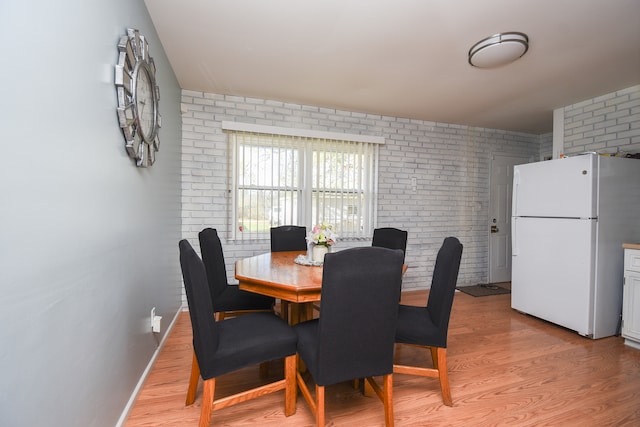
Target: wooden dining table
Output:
[{"x": 276, "y": 274}]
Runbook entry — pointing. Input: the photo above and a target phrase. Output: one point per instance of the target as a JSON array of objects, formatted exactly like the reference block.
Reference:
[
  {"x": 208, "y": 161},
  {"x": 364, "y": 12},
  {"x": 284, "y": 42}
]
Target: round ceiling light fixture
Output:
[{"x": 498, "y": 49}]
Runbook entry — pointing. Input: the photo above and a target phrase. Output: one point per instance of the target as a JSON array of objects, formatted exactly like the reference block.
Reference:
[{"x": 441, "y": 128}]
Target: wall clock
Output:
[{"x": 138, "y": 96}]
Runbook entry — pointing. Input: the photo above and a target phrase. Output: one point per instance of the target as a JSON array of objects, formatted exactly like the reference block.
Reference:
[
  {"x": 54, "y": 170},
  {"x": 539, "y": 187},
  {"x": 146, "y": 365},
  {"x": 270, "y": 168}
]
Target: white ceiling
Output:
[{"x": 404, "y": 58}]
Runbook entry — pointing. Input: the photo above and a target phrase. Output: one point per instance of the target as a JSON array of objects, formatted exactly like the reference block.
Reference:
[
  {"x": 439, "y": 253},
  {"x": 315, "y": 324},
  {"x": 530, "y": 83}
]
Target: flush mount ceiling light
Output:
[{"x": 498, "y": 49}]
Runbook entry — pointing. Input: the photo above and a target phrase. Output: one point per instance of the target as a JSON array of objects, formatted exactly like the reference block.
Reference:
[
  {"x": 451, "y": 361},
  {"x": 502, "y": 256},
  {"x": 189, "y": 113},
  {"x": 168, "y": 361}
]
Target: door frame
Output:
[{"x": 514, "y": 160}]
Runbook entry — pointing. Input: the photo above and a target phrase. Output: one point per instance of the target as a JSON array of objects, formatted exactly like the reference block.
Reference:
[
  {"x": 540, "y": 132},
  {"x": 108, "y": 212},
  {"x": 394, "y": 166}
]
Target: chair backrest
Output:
[
  {"x": 213, "y": 259},
  {"x": 358, "y": 314},
  {"x": 205, "y": 330},
  {"x": 288, "y": 238},
  {"x": 389, "y": 237},
  {"x": 443, "y": 285}
]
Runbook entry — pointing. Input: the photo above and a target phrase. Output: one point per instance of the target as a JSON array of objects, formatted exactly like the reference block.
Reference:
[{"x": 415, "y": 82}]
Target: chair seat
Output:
[
  {"x": 308, "y": 349},
  {"x": 308, "y": 344},
  {"x": 416, "y": 327},
  {"x": 248, "y": 340},
  {"x": 235, "y": 299}
]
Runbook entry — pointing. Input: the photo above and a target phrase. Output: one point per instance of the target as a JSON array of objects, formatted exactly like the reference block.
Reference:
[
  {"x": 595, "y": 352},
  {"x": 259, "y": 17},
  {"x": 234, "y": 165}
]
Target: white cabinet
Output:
[{"x": 631, "y": 298}]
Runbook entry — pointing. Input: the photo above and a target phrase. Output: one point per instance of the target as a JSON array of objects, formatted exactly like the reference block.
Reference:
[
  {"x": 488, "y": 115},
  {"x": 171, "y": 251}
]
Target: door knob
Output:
[{"x": 494, "y": 229}]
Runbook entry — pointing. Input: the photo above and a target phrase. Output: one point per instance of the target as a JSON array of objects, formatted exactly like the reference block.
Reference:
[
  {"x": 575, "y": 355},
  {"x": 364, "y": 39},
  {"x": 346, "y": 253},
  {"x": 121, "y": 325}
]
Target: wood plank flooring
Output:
[{"x": 505, "y": 369}]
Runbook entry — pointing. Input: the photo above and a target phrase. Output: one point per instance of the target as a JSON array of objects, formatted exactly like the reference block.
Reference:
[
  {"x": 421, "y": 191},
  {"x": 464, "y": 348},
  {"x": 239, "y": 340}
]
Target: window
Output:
[{"x": 295, "y": 177}]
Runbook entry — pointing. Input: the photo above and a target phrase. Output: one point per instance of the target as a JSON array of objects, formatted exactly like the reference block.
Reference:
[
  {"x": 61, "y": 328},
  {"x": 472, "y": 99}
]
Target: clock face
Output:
[
  {"x": 145, "y": 105},
  {"x": 138, "y": 96}
]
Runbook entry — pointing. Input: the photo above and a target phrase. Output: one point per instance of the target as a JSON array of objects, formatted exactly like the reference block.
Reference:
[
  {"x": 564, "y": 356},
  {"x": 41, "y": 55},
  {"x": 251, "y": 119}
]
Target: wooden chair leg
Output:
[
  {"x": 291, "y": 390},
  {"x": 434, "y": 356},
  {"x": 439, "y": 370},
  {"x": 320, "y": 406},
  {"x": 208, "y": 394},
  {"x": 440, "y": 363},
  {"x": 193, "y": 381},
  {"x": 388, "y": 399},
  {"x": 385, "y": 394},
  {"x": 367, "y": 390}
]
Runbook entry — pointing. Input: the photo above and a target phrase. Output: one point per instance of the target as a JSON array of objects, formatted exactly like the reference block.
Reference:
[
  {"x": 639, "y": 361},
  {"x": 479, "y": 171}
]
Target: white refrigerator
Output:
[{"x": 570, "y": 218}]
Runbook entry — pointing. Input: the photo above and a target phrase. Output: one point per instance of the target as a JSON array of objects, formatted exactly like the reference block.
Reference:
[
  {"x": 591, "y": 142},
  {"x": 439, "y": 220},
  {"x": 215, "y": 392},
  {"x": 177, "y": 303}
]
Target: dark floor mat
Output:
[{"x": 483, "y": 290}]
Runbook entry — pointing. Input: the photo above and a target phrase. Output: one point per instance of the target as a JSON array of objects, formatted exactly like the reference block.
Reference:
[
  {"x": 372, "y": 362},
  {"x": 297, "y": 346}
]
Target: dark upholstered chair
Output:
[
  {"x": 288, "y": 238},
  {"x": 354, "y": 334},
  {"x": 389, "y": 237},
  {"x": 226, "y": 300},
  {"x": 223, "y": 347},
  {"x": 428, "y": 326}
]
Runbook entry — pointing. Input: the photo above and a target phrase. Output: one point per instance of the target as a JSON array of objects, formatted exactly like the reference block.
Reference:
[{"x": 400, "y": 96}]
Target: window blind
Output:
[{"x": 301, "y": 180}]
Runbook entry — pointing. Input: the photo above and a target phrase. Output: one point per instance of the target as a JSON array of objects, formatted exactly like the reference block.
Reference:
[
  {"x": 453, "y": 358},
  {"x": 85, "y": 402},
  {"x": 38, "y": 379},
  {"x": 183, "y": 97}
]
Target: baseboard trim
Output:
[{"x": 145, "y": 374}]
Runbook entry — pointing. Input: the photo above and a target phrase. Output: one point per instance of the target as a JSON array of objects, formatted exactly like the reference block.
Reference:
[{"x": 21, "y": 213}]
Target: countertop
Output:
[{"x": 631, "y": 245}]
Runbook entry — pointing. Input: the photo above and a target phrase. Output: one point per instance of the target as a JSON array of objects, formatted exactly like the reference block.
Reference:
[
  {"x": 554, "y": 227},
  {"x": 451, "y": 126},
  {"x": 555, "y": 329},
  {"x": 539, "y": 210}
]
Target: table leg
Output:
[
  {"x": 306, "y": 311},
  {"x": 295, "y": 313},
  {"x": 284, "y": 310},
  {"x": 301, "y": 312}
]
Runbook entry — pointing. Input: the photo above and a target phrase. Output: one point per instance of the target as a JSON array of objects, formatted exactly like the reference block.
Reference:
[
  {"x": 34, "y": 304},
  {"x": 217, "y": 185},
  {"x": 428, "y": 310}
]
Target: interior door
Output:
[{"x": 499, "y": 226}]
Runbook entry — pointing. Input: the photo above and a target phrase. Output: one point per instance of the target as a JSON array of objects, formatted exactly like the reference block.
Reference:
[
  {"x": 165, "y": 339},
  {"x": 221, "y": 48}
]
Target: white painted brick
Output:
[
  {"x": 633, "y": 133},
  {"x": 628, "y": 105},
  {"x": 450, "y": 162},
  {"x": 593, "y": 133},
  {"x": 604, "y": 138},
  {"x": 594, "y": 106}
]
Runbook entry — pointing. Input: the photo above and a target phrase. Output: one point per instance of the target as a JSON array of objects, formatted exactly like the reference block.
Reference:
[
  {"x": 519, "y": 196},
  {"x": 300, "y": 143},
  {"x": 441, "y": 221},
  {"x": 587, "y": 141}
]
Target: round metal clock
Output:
[{"x": 138, "y": 96}]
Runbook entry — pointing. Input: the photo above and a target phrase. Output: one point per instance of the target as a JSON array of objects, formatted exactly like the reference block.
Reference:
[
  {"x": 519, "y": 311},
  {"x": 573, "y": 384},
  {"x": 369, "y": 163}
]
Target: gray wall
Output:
[
  {"x": 88, "y": 242},
  {"x": 451, "y": 164}
]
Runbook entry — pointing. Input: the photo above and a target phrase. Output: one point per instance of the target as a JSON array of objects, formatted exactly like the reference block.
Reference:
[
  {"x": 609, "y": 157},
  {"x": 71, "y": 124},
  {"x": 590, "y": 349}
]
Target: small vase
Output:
[{"x": 319, "y": 252}]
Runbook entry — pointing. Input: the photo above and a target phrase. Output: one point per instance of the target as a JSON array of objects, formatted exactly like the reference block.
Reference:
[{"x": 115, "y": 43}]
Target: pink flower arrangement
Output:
[{"x": 323, "y": 235}]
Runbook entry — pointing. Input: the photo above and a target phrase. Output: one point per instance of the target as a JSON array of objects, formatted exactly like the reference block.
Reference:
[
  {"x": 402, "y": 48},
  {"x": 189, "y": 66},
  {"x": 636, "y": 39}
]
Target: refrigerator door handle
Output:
[
  {"x": 514, "y": 238},
  {"x": 516, "y": 182}
]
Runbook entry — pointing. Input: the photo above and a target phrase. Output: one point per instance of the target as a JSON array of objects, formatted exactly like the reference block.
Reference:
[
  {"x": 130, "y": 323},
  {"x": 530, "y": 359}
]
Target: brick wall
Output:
[
  {"x": 450, "y": 162},
  {"x": 604, "y": 124},
  {"x": 546, "y": 146}
]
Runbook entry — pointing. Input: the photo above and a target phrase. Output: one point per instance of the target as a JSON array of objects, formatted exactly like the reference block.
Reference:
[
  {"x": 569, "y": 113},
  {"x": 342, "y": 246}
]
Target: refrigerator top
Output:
[{"x": 561, "y": 188}]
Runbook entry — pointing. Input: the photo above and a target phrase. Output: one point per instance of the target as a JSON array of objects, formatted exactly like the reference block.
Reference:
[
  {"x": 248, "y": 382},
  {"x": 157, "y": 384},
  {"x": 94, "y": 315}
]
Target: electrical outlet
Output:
[
  {"x": 156, "y": 324},
  {"x": 155, "y": 321}
]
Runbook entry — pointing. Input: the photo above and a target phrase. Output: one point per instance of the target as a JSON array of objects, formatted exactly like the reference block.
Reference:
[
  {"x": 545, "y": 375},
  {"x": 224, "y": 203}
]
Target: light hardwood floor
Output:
[{"x": 505, "y": 369}]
